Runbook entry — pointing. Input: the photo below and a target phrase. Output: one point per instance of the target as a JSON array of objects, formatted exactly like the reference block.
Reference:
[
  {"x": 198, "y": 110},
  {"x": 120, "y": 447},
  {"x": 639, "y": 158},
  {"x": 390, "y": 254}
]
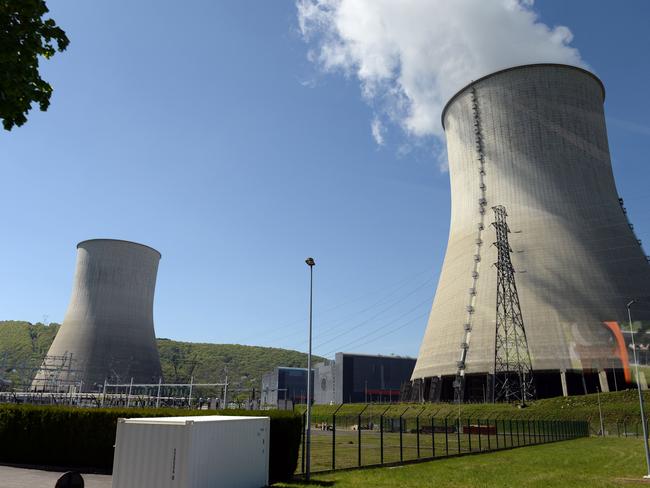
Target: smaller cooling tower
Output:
[{"x": 107, "y": 332}]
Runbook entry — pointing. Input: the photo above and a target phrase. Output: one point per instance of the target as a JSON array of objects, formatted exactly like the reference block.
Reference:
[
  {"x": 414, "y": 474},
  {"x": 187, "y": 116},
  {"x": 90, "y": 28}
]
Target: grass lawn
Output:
[
  {"x": 587, "y": 462},
  {"x": 347, "y": 446}
]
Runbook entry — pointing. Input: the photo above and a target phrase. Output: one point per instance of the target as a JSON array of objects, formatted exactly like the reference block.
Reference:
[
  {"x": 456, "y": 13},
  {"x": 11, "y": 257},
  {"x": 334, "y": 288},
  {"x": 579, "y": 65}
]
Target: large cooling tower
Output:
[
  {"x": 533, "y": 139},
  {"x": 107, "y": 332}
]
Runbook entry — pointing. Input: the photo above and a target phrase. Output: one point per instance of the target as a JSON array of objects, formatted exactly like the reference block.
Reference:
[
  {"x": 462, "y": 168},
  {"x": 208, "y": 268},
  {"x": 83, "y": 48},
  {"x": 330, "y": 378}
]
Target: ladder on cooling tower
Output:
[{"x": 459, "y": 381}]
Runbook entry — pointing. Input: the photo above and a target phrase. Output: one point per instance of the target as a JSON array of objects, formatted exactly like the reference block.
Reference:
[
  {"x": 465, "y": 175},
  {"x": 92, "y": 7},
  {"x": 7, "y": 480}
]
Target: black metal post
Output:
[
  {"x": 517, "y": 427},
  {"x": 496, "y": 431},
  {"x": 401, "y": 442},
  {"x": 469, "y": 436},
  {"x": 401, "y": 445},
  {"x": 446, "y": 437},
  {"x": 433, "y": 437},
  {"x": 381, "y": 438},
  {"x": 381, "y": 435},
  {"x": 458, "y": 433},
  {"x": 512, "y": 439},
  {"x": 359, "y": 440},
  {"x": 526, "y": 431},
  {"x": 478, "y": 422},
  {"x": 417, "y": 432}
]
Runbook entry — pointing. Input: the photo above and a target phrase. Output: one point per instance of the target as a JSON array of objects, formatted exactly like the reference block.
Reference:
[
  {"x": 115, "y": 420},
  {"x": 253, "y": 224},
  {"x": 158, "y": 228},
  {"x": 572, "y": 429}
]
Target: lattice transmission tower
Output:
[{"x": 513, "y": 371}]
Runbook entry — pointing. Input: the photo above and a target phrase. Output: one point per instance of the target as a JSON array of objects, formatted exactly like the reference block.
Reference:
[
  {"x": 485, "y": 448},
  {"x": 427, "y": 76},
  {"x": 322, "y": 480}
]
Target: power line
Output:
[
  {"x": 382, "y": 335},
  {"x": 354, "y": 327},
  {"x": 391, "y": 322},
  {"x": 400, "y": 284}
]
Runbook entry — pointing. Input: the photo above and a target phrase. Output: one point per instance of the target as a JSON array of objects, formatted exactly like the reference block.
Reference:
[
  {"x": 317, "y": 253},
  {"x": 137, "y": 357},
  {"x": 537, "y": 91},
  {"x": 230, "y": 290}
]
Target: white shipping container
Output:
[{"x": 192, "y": 452}]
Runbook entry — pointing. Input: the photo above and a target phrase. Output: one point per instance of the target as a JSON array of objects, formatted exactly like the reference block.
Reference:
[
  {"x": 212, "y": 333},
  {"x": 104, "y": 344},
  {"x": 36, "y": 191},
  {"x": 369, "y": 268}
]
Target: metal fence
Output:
[{"x": 343, "y": 441}]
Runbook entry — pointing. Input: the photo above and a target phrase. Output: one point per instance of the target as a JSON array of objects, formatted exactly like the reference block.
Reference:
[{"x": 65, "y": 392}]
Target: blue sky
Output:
[{"x": 206, "y": 133}]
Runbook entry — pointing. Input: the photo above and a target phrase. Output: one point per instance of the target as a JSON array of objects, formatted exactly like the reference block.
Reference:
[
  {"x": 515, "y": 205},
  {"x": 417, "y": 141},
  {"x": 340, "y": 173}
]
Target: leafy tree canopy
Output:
[{"x": 24, "y": 37}]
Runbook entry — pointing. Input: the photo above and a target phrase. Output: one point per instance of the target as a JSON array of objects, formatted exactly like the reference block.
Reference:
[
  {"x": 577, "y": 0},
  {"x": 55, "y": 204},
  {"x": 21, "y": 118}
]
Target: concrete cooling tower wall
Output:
[
  {"x": 107, "y": 332},
  {"x": 544, "y": 156}
]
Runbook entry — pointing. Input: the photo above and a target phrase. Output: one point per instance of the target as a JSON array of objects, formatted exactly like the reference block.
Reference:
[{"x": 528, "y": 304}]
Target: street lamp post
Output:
[
  {"x": 638, "y": 387},
  {"x": 311, "y": 263}
]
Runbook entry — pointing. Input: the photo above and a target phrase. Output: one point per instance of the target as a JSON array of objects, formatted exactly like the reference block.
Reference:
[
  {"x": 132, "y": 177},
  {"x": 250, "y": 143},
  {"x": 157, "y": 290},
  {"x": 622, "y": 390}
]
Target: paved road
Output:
[{"x": 34, "y": 478}]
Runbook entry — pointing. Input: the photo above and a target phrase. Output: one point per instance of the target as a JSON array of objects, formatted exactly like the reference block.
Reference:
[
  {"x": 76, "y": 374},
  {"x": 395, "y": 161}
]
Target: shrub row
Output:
[{"x": 84, "y": 438}]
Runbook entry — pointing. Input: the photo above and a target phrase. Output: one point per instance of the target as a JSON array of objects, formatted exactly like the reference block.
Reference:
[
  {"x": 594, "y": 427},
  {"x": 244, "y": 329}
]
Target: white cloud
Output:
[
  {"x": 377, "y": 129},
  {"x": 411, "y": 56}
]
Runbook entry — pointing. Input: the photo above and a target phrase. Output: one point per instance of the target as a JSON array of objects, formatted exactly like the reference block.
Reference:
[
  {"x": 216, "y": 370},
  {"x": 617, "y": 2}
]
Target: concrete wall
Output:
[
  {"x": 325, "y": 383},
  {"x": 577, "y": 261},
  {"x": 108, "y": 328}
]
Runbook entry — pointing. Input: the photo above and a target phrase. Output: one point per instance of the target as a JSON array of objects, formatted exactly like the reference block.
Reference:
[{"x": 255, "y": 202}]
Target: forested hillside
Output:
[{"x": 23, "y": 345}]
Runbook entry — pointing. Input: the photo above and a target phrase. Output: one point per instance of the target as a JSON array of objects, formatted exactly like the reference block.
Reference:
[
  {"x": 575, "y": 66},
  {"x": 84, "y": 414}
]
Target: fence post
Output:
[
  {"x": 532, "y": 429},
  {"x": 487, "y": 422},
  {"x": 401, "y": 452},
  {"x": 525, "y": 434},
  {"x": 469, "y": 436},
  {"x": 401, "y": 443},
  {"x": 554, "y": 430},
  {"x": 433, "y": 437},
  {"x": 334, "y": 441},
  {"x": 381, "y": 439},
  {"x": 359, "y": 434},
  {"x": 496, "y": 431},
  {"x": 417, "y": 431},
  {"x": 458, "y": 433},
  {"x": 512, "y": 438},
  {"x": 446, "y": 437},
  {"x": 381, "y": 435},
  {"x": 334, "y": 436},
  {"x": 478, "y": 422}
]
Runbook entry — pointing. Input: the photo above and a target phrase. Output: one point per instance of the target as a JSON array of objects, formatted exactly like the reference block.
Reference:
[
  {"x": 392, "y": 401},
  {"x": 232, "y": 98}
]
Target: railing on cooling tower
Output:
[{"x": 390, "y": 436}]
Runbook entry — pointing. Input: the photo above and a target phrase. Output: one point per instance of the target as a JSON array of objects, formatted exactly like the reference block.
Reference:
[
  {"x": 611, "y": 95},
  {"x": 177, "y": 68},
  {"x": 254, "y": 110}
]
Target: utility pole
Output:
[
  {"x": 638, "y": 387},
  {"x": 311, "y": 263}
]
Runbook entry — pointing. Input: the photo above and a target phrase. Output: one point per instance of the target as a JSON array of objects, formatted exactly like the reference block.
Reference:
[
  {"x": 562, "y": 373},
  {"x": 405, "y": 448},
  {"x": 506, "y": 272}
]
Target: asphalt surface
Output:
[{"x": 11, "y": 477}]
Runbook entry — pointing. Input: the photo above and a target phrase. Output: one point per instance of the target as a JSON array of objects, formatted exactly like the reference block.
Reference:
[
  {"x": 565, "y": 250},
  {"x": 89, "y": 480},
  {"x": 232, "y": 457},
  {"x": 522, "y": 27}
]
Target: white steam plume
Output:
[{"x": 411, "y": 56}]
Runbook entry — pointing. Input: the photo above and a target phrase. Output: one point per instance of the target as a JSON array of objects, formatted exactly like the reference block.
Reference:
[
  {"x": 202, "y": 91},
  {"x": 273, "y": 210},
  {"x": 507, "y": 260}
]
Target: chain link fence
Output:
[{"x": 344, "y": 440}]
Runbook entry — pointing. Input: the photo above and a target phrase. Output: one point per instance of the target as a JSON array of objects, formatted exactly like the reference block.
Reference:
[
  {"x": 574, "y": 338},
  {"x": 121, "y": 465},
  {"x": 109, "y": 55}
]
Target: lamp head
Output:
[{"x": 310, "y": 262}]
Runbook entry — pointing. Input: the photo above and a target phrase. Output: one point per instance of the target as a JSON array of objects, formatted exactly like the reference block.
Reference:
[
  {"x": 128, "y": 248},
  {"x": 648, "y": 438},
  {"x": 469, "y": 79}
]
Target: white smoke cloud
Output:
[{"x": 411, "y": 56}]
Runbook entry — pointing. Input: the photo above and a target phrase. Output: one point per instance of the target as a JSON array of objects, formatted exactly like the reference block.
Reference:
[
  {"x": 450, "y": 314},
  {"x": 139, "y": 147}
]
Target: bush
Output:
[{"x": 84, "y": 438}]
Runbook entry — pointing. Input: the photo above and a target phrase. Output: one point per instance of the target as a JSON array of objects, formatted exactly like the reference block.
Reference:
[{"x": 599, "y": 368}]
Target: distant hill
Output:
[{"x": 23, "y": 346}]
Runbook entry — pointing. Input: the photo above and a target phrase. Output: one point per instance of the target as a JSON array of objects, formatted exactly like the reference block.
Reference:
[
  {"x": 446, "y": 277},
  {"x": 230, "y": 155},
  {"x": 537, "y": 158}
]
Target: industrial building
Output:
[
  {"x": 284, "y": 387},
  {"x": 531, "y": 141},
  {"x": 350, "y": 378},
  {"x": 107, "y": 332},
  {"x": 361, "y": 378}
]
